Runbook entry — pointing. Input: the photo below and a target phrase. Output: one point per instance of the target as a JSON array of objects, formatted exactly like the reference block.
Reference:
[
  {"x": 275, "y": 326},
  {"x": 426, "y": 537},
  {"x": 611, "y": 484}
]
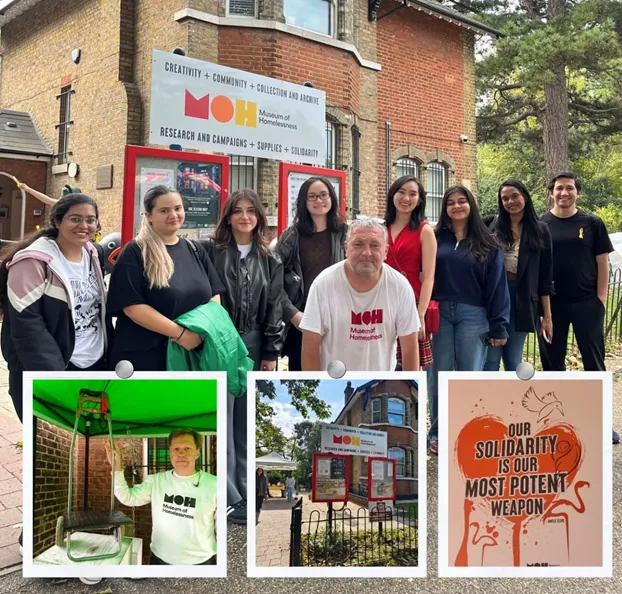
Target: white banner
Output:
[
  {"x": 340, "y": 439},
  {"x": 213, "y": 108}
]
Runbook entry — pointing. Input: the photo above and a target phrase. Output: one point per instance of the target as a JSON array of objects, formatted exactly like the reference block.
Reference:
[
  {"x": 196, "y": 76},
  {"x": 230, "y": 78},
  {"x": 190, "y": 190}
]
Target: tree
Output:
[
  {"x": 558, "y": 71},
  {"x": 307, "y": 438}
]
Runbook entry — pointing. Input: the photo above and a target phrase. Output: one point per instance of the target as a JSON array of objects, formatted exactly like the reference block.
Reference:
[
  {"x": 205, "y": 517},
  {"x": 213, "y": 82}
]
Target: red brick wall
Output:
[
  {"x": 285, "y": 57},
  {"x": 420, "y": 87},
  {"x": 33, "y": 174}
]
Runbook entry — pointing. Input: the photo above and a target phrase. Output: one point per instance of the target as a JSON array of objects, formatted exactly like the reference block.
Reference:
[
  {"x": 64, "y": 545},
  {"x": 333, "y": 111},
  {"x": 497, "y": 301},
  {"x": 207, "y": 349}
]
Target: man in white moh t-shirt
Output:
[
  {"x": 183, "y": 504},
  {"x": 358, "y": 308}
]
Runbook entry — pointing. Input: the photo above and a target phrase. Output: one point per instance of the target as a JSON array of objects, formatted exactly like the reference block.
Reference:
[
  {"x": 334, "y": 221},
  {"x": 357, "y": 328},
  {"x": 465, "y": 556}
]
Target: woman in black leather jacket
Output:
[
  {"x": 253, "y": 277},
  {"x": 311, "y": 244}
]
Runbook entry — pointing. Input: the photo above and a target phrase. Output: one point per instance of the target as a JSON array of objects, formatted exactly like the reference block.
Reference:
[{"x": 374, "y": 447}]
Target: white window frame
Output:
[
  {"x": 333, "y": 144},
  {"x": 379, "y": 411},
  {"x": 407, "y": 158},
  {"x": 243, "y": 16},
  {"x": 389, "y": 413},
  {"x": 332, "y": 20},
  {"x": 397, "y": 460},
  {"x": 435, "y": 165}
]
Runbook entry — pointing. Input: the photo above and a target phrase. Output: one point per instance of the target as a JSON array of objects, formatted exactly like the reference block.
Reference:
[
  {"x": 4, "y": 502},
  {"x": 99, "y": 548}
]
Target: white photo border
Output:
[
  {"x": 254, "y": 571},
  {"x": 86, "y": 570},
  {"x": 447, "y": 571}
]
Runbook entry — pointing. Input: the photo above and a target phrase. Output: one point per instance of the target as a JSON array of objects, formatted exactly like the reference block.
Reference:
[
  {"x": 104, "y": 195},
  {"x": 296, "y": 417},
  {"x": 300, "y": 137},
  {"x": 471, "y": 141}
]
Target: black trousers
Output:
[
  {"x": 293, "y": 348},
  {"x": 588, "y": 320},
  {"x": 157, "y": 561}
]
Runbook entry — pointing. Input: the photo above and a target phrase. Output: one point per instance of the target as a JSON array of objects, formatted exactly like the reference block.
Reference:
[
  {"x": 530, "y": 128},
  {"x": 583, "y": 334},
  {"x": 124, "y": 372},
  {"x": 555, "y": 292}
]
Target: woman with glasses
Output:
[
  {"x": 527, "y": 251},
  {"x": 471, "y": 288},
  {"x": 158, "y": 277},
  {"x": 52, "y": 295},
  {"x": 311, "y": 244}
]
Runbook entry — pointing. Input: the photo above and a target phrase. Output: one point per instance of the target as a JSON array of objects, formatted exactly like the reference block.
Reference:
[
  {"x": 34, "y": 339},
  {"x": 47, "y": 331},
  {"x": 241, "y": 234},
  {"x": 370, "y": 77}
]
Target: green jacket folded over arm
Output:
[{"x": 223, "y": 349}]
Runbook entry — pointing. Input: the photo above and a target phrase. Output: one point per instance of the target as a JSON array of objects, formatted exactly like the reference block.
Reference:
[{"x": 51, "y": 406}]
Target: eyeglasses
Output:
[
  {"x": 315, "y": 197},
  {"x": 75, "y": 220}
]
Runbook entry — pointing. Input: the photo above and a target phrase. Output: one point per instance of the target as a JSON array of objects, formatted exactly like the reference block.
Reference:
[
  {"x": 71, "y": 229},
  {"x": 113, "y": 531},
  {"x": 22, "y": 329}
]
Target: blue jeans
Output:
[
  {"x": 456, "y": 347},
  {"x": 512, "y": 350},
  {"x": 290, "y": 494}
]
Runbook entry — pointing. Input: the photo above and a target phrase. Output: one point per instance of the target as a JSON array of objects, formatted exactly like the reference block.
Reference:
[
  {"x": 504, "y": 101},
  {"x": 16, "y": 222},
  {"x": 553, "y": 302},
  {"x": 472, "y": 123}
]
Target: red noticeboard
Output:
[
  {"x": 201, "y": 179},
  {"x": 291, "y": 177},
  {"x": 330, "y": 478},
  {"x": 381, "y": 479}
]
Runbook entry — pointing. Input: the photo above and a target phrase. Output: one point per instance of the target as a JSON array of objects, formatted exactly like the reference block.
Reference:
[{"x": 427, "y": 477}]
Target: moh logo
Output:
[
  {"x": 367, "y": 317},
  {"x": 222, "y": 109},
  {"x": 347, "y": 440},
  {"x": 180, "y": 500}
]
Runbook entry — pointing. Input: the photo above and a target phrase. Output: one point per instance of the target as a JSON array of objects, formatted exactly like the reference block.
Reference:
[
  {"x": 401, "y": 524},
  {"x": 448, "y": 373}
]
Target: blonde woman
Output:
[{"x": 157, "y": 278}]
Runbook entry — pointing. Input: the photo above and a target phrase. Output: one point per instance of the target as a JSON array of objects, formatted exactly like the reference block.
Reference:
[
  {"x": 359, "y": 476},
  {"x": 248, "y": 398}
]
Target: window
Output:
[
  {"x": 375, "y": 410},
  {"x": 245, "y": 8},
  {"x": 407, "y": 166},
  {"x": 242, "y": 173},
  {"x": 64, "y": 123},
  {"x": 315, "y": 15},
  {"x": 331, "y": 145},
  {"x": 397, "y": 412},
  {"x": 435, "y": 188},
  {"x": 399, "y": 455}
]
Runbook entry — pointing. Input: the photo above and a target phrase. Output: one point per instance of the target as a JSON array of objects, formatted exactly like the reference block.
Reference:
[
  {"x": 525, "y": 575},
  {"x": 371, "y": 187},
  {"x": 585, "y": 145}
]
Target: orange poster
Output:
[{"x": 527, "y": 474}]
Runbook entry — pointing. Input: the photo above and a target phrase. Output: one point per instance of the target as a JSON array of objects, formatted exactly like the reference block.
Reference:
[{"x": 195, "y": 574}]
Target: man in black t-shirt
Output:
[{"x": 581, "y": 248}]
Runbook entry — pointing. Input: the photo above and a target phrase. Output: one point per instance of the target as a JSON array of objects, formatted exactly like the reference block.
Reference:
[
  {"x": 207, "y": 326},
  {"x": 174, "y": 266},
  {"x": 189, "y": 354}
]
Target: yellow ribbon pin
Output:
[{"x": 581, "y": 233}]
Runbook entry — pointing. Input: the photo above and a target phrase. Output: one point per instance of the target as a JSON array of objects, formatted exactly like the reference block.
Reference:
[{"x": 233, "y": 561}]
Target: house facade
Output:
[
  {"x": 398, "y": 76},
  {"x": 390, "y": 406}
]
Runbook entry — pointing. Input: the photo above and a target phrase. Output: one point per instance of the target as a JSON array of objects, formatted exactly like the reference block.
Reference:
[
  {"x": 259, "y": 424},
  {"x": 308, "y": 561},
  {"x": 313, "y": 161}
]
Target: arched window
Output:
[
  {"x": 375, "y": 410},
  {"x": 399, "y": 455},
  {"x": 406, "y": 166},
  {"x": 435, "y": 188},
  {"x": 397, "y": 412}
]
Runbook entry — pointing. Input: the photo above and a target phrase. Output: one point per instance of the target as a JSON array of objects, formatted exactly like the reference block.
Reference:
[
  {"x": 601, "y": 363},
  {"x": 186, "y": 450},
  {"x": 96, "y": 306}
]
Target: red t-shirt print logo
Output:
[
  {"x": 196, "y": 108},
  {"x": 366, "y": 318}
]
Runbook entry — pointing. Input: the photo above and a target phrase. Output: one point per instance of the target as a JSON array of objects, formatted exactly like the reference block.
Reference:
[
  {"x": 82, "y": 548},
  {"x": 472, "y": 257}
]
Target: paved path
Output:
[{"x": 10, "y": 477}]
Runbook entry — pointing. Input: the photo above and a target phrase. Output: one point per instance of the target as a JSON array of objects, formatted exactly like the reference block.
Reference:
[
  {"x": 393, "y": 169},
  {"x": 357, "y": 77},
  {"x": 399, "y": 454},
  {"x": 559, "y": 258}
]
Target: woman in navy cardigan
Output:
[
  {"x": 527, "y": 251},
  {"x": 471, "y": 288}
]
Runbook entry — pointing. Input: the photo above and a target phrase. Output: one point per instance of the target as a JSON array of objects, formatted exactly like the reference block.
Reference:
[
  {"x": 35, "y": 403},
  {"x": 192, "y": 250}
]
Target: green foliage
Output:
[
  {"x": 307, "y": 437},
  {"x": 275, "y": 477},
  {"x": 612, "y": 217}
]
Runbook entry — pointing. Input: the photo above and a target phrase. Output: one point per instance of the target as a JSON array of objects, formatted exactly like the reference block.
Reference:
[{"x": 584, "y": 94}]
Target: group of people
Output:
[{"x": 377, "y": 294}]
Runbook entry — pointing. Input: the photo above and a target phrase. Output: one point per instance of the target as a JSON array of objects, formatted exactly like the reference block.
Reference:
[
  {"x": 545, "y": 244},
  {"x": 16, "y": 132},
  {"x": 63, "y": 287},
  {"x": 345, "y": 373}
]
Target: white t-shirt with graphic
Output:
[
  {"x": 87, "y": 299},
  {"x": 183, "y": 513},
  {"x": 360, "y": 329}
]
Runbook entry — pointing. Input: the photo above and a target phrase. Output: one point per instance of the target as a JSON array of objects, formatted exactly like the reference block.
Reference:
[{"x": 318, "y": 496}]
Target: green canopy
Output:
[{"x": 148, "y": 408}]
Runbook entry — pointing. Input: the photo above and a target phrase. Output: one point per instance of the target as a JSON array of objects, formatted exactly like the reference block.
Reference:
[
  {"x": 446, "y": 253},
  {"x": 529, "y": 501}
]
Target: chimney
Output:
[{"x": 348, "y": 392}]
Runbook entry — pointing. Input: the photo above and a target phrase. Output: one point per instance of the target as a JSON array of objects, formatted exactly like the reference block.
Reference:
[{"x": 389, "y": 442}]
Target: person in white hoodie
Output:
[{"x": 183, "y": 503}]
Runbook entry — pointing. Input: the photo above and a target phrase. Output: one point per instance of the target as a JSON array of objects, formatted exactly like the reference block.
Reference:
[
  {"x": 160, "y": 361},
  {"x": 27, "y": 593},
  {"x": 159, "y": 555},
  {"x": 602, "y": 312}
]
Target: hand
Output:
[
  {"x": 265, "y": 496},
  {"x": 297, "y": 319},
  {"x": 604, "y": 302},
  {"x": 423, "y": 334},
  {"x": 268, "y": 366},
  {"x": 546, "y": 327},
  {"x": 497, "y": 342},
  {"x": 117, "y": 456},
  {"x": 189, "y": 340}
]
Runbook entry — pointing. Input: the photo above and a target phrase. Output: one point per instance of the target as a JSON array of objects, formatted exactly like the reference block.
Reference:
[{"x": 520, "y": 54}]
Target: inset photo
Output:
[
  {"x": 525, "y": 475},
  {"x": 124, "y": 477},
  {"x": 338, "y": 470}
]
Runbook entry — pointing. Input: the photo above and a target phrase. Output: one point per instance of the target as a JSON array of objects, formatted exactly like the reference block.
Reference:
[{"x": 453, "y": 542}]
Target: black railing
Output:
[{"x": 342, "y": 538}]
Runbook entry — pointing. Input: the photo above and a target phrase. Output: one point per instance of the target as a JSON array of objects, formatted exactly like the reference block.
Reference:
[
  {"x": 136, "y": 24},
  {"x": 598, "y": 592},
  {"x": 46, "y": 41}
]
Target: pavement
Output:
[{"x": 238, "y": 582}]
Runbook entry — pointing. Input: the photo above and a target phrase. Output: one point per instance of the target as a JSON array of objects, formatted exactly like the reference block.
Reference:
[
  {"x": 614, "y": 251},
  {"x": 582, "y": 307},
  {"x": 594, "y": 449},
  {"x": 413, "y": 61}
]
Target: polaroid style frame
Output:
[
  {"x": 446, "y": 450},
  {"x": 420, "y": 571},
  {"x": 86, "y": 570}
]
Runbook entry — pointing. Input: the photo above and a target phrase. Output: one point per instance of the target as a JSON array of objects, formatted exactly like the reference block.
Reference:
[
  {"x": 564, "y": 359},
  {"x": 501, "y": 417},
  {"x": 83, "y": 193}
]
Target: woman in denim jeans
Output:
[
  {"x": 527, "y": 251},
  {"x": 471, "y": 288}
]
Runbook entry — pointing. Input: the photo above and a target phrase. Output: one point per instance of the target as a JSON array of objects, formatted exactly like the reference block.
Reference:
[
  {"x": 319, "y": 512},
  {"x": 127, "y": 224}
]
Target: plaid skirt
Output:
[{"x": 425, "y": 353}]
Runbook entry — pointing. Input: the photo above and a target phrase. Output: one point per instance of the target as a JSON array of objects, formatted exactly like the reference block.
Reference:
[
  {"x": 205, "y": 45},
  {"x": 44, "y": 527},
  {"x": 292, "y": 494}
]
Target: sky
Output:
[{"x": 330, "y": 391}]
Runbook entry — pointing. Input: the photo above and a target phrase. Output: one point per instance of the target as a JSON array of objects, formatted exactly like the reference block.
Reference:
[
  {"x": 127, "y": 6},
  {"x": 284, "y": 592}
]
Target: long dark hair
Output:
[
  {"x": 303, "y": 220},
  {"x": 224, "y": 233},
  {"x": 417, "y": 216},
  {"x": 57, "y": 214},
  {"x": 531, "y": 228},
  {"x": 478, "y": 240}
]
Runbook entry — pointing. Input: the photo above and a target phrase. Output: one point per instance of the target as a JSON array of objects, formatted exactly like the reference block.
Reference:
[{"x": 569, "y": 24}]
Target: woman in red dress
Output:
[{"x": 412, "y": 250}]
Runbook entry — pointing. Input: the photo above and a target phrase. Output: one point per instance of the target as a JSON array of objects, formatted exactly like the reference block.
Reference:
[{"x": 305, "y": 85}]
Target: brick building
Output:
[
  {"x": 51, "y": 479},
  {"x": 399, "y": 79},
  {"x": 390, "y": 406}
]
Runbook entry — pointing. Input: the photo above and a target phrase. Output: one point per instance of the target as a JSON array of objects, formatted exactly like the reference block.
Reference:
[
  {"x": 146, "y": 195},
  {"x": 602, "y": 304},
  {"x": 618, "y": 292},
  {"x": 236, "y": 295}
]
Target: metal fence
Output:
[
  {"x": 613, "y": 322},
  {"x": 342, "y": 538}
]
